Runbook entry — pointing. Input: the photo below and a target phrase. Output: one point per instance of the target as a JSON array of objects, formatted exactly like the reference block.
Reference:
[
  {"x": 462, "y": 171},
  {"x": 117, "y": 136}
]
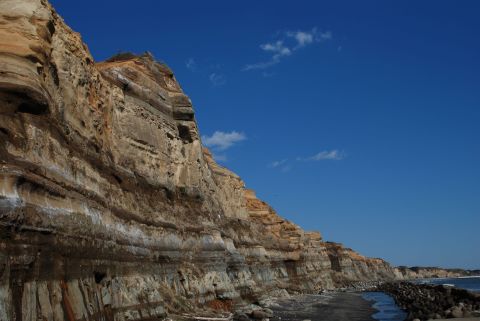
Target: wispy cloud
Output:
[
  {"x": 325, "y": 155},
  {"x": 217, "y": 79},
  {"x": 211, "y": 70},
  {"x": 191, "y": 64},
  {"x": 261, "y": 65},
  {"x": 220, "y": 157},
  {"x": 278, "y": 49},
  {"x": 277, "y": 163},
  {"x": 223, "y": 140},
  {"x": 285, "y": 165},
  {"x": 287, "y": 44},
  {"x": 305, "y": 38},
  {"x": 281, "y": 165}
]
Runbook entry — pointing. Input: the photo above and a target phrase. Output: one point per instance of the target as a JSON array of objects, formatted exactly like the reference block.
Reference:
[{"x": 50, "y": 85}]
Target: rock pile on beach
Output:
[
  {"x": 361, "y": 286},
  {"x": 425, "y": 302},
  {"x": 255, "y": 313}
]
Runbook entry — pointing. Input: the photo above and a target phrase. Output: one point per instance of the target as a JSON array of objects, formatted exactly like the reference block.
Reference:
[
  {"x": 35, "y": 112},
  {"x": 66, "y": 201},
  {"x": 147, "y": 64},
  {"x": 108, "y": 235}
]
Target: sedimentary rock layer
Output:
[{"x": 110, "y": 208}]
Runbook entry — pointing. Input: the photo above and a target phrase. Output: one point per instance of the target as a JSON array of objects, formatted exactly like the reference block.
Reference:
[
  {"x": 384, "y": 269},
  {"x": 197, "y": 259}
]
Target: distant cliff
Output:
[
  {"x": 111, "y": 209},
  {"x": 418, "y": 272}
]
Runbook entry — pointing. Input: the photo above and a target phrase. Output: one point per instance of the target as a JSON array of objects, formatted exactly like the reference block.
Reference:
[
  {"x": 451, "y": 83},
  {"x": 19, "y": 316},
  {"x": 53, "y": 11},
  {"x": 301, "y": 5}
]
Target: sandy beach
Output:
[{"x": 326, "y": 307}]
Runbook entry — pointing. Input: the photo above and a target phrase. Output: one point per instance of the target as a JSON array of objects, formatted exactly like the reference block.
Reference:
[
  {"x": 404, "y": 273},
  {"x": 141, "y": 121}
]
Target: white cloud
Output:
[
  {"x": 191, "y": 64},
  {"x": 325, "y": 155},
  {"x": 287, "y": 45},
  {"x": 222, "y": 140},
  {"x": 278, "y": 49},
  {"x": 303, "y": 38},
  {"x": 217, "y": 79}
]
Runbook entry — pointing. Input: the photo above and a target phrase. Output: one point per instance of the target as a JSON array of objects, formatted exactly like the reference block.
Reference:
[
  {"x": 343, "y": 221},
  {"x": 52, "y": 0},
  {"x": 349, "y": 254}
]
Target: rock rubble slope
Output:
[{"x": 111, "y": 209}]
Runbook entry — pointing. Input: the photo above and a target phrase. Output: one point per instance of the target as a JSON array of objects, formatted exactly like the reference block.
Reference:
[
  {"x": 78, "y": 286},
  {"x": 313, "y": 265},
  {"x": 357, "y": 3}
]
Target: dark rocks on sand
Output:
[{"x": 426, "y": 302}]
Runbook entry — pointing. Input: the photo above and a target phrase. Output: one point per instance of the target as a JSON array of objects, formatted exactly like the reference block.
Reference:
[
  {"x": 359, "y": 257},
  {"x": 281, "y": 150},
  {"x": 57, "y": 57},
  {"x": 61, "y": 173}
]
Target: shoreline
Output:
[
  {"x": 430, "y": 301},
  {"x": 331, "y": 306},
  {"x": 334, "y": 305},
  {"x": 348, "y": 303}
]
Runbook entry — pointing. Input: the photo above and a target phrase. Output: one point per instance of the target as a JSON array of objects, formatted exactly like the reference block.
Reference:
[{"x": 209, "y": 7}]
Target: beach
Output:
[
  {"x": 356, "y": 306},
  {"x": 338, "y": 306}
]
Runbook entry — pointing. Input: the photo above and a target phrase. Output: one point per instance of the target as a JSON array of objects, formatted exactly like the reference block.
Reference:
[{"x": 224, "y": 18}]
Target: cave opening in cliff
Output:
[
  {"x": 99, "y": 276},
  {"x": 34, "y": 109},
  {"x": 335, "y": 263},
  {"x": 290, "y": 266},
  {"x": 21, "y": 102},
  {"x": 184, "y": 133}
]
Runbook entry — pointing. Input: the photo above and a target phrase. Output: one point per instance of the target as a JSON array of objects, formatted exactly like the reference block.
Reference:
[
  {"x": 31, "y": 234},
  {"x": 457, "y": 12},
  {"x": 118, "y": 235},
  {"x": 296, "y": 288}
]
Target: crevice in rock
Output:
[
  {"x": 51, "y": 27},
  {"x": 32, "y": 108},
  {"x": 54, "y": 72}
]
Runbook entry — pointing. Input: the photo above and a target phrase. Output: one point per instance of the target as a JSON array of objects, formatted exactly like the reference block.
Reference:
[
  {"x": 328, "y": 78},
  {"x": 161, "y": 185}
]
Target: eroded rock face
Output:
[
  {"x": 349, "y": 266},
  {"x": 110, "y": 208}
]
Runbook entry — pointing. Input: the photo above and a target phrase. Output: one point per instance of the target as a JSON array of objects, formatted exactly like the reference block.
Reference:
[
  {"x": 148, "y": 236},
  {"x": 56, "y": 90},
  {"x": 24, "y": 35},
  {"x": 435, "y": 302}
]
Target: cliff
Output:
[
  {"x": 417, "y": 272},
  {"x": 111, "y": 209}
]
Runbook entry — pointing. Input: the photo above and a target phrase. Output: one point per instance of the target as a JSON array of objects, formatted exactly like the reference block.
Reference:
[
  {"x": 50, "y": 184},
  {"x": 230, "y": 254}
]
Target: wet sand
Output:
[{"x": 325, "y": 307}]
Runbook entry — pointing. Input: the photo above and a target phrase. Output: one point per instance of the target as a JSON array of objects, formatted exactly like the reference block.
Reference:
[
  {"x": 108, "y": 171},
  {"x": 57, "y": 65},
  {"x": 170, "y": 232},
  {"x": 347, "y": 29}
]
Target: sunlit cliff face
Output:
[{"x": 109, "y": 204}]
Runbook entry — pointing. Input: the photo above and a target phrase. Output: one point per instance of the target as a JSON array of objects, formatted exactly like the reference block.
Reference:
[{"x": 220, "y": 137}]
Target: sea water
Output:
[
  {"x": 468, "y": 283},
  {"x": 388, "y": 310}
]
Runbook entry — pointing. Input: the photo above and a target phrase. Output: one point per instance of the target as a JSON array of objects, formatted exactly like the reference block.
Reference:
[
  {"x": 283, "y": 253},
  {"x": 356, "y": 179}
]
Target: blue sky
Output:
[{"x": 360, "y": 119}]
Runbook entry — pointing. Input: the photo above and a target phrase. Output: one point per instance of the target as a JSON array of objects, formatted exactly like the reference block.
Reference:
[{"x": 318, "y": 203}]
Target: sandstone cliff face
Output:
[
  {"x": 110, "y": 208},
  {"x": 349, "y": 266}
]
